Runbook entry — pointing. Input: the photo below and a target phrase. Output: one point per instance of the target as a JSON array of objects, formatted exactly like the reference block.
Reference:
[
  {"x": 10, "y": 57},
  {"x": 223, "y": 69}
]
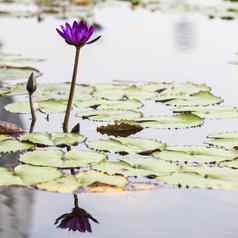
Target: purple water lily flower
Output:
[
  {"x": 77, "y": 34},
  {"x": 77, "y": 220}
]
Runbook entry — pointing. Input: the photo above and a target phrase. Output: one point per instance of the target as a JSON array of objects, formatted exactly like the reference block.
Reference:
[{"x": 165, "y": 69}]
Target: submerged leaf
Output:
[{"x": 120, "y": 128}]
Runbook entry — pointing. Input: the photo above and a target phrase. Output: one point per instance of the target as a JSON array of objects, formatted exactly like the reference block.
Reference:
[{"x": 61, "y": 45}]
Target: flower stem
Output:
[
  {"x": 71, "y": 93},
  {"x": 76, "y": 201},
  {"x": 33, "y": 113}
]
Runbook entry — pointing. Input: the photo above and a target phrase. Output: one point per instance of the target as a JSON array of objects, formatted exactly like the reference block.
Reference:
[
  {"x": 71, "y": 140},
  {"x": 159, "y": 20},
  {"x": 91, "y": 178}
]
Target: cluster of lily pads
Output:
[
  {"x": 225, "y": 10},
  {"x": 66, "y": 162},
  {"x": 15, "y": 67}
]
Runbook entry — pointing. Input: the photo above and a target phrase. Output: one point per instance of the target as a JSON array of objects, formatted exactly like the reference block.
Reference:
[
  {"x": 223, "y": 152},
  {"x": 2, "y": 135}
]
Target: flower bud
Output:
[
  {"x": 31, "y": 85},
  {"x": 76, "y": 128}
]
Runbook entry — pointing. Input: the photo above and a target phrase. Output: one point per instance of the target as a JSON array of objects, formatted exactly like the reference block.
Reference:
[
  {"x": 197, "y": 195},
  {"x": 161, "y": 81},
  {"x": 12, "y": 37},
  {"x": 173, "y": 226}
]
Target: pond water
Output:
[{"x": 142, "y": 46}]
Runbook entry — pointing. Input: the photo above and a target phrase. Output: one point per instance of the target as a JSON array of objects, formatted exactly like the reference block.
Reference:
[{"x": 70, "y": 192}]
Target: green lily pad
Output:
[
  {"x": 227, "y": 140},
  {"x": 195, "y": 154},
  {"x": 52, "y": 139},
  {"x": 109, "y": 115},
  {"x": 4, "y": 137},
  {"x": 195, "y": 180},
  {"x": 230, "y": 164},
  {"x": 17, "y": 59},
  {"x": 83, "y": 180},
  {"x": 181, "y": 91},
  {"x": 197, "y": 99},
  {"x": 181, "y": 120},
  {"x": 12, "y": 145},
  {"x": 61, "y": 91},
  {"x": 213, "y": 172},
  {"x": 212, "y": 112},
  {"x": 157, "y": 167},
  {"x": 66, "y": 184},
  {"x": 88, "y": 178},
  {"x": 120, "y": 168},
  {"x": 10, "y": 72},
  {"x": 59, "y": 159},
  {"x": 130, "y": 92},
  {"x": 103, "y": 104},
  {"x": 157, "y": 86},
  {"x": 7, "y": 178},
  {"x": 32, "y": 175},
  {"x": 53, "y": 105},
  {"x": 127, "y": 145},
  {"x": 20, "y": 107}
]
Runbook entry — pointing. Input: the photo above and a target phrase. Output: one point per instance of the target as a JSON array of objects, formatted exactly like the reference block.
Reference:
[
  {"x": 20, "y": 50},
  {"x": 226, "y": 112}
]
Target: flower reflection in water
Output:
[{"x": 77, "y": 220}]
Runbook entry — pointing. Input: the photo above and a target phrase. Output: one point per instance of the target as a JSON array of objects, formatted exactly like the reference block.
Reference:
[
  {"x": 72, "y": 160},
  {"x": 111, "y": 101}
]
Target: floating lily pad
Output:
[
  {"x": 32, "y": 175},
  {"x": 120, "y": 168},
  {"x": 83, "y": 180},
  {"x": 227, "y": 140},
  {"x": 52, "y": 139},
  {"x": 7, "y": 178},
  {"x": 158, "y": 86},
  {"x": 197, "y": 99},
  {"x": 66, "y": 184},
  {"x": 213, "y": 172},
  {"x": 177, "y": 91},
  {"x": 195, "y": 180},
  {"x": 104, "y": 104},
  {"x": 61, "y": 91},
  {"x": 212, "y": 112},
  {"x": 59, "y": 159},
  {"x": 20, "y": 107},
  {"x": 130, "y": 92},
  {"x": 109, "y": 115},
  {"x": 91, "y": 177},
  {"x": 52, "y": 105},
  {"x": 12, "y": 145},
  {"x": 17, "y": 59},
  {"x": 157, "y": 167},
  {"x": 127, "y": 145},
  {"x": 195, "y": 154},
  {"x": 230, "y": 164},
  {"x": 181, "y": 120},
  {"x": 8, "y": 72}
]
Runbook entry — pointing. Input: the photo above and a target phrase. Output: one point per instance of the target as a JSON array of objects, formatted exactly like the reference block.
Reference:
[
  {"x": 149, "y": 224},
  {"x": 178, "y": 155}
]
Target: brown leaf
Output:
[
  {"x": 122, "y": 129},
  {"x": 9, "y": 128}
]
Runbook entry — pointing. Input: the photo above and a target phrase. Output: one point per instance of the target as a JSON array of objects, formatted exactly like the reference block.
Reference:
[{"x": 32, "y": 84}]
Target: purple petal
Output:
[
  {"x": 62, "y": 34},
  {"x": 92, "y": 218}
]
